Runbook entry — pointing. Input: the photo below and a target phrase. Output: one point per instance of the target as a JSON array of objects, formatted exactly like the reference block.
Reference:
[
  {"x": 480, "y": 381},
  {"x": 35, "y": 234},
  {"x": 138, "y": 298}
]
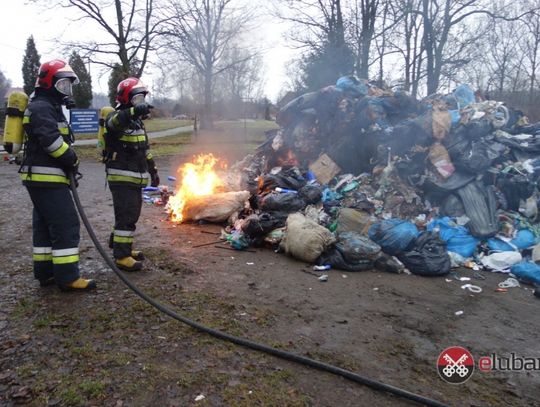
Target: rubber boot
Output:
[
  {"x": 137, "y": 255},
  {"x": 80, "y": 284},
  {"x": 128, "y": 264}
]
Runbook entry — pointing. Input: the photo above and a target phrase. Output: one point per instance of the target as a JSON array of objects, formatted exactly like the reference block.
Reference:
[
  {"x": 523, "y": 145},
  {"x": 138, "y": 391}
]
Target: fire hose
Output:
[{"x": 377, "y": 385}]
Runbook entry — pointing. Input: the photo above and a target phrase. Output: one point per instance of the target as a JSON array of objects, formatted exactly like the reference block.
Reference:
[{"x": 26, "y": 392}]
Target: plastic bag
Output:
[
  {"x": 427, "y": 256},
  {"x": 311, "y": 194},
  {"x": 288, "y": 202},
  {"x": 480, "y": 206},
  {"x": 527, "y": 272},
  {"x": 457, "y": 238},
  {"x": 335, "y": 258},
  {"x": 393, "y": 235},
  {"x": 501, "y": 261},
  {"x": 356, "y": 247},
  {"x": 257, "y": 226}
]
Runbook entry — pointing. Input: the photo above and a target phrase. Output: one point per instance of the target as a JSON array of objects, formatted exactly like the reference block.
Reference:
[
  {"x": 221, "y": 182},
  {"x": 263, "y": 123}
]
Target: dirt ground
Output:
[{"x": 109, "y": 348}]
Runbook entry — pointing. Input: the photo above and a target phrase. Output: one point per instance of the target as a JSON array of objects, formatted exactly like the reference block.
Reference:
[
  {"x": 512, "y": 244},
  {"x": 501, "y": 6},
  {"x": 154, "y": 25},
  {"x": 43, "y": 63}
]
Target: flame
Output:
[{"x": 197, "y": 178}]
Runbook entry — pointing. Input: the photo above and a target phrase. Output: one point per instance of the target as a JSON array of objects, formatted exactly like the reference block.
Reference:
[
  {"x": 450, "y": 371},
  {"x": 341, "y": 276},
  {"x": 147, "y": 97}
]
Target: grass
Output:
[
  {"x": 254, "y": 130},
  {"x": 161, "y": 146}
]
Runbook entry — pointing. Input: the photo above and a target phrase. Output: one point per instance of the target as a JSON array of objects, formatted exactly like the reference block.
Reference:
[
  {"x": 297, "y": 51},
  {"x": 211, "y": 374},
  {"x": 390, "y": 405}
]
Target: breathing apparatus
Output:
[{"x": 13, "y": 127}]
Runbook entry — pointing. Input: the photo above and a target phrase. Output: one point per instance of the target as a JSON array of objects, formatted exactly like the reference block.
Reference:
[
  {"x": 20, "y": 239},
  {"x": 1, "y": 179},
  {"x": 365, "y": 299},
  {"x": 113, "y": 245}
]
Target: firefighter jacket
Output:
[
  {"x": 128, "y": 160},
  {"x": 48, "y": 154}
]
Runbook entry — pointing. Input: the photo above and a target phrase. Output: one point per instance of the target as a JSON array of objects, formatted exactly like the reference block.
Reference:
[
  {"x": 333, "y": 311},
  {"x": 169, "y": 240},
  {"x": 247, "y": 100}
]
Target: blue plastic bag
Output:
[
  {"x": 393, "y": 235},
  {"x": 526, "y": 272},
  {"x": 464, "y": 96},
  {"x": 352, "y": 84},
  {"x": 523, "y": 240},
  {"x": 457, "y": 238}
]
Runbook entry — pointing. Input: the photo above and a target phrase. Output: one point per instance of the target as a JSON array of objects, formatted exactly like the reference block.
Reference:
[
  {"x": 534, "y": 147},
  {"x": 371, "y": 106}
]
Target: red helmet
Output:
[
  {"x": 128, "y": 88},
  {"x": 52, "y": 71}
]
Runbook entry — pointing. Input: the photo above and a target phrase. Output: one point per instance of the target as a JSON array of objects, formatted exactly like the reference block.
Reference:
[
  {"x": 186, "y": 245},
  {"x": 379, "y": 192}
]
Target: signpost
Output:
[{"x": 84, "y": 121}]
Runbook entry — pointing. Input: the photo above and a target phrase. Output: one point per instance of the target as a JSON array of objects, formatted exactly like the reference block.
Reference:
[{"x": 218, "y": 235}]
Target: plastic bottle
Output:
[{"x": 285, "y": 190}]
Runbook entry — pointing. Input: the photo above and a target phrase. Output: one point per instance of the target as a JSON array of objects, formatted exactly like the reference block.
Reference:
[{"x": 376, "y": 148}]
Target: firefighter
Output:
[
  {"x": 47, "y": 161},
  {"x": 129, "y": 167}
]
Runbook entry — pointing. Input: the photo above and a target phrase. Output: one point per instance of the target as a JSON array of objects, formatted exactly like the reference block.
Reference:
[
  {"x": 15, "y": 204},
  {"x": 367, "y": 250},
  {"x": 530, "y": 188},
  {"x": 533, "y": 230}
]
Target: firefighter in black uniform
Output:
[
  {"x": 47, "y": 161},
  {"x": 128, "y": 166}
]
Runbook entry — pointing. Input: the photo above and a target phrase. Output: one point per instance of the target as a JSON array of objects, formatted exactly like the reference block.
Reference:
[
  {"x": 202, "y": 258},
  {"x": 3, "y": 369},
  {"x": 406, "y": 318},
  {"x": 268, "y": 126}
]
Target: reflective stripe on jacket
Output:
[
  {"x": 127, "y": 145},
  {"x": 48, "y": 144}
]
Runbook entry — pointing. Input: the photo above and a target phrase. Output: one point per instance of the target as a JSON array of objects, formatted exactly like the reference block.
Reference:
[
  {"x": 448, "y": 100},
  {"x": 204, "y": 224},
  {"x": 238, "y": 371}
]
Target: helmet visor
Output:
[
  {"x": 64, "y": 86},
  {"x": 137, "y": 99}
]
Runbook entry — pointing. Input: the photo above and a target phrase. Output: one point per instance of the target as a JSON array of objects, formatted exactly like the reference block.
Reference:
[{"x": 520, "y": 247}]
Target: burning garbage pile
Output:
[{"x": 358, "y": 177}]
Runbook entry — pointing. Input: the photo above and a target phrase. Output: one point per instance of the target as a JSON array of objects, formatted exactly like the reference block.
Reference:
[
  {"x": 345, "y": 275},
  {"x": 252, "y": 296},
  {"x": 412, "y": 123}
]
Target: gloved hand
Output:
[
  {"x": 142, "y": 109},
  {"x": 74, "y": 169},
  {"x": 154, "y": 179}
]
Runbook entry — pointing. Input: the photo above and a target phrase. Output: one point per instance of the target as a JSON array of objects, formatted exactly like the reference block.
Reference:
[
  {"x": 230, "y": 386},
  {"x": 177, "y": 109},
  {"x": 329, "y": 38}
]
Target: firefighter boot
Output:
[
  {"x": 80, "y": 284},
  {"x": 137, "y": 255},
  {"x": 128, "y": 264}
]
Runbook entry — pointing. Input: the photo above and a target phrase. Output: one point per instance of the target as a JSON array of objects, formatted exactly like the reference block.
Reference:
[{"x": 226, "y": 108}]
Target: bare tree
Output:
[
  {"x": 531, "y": 43},
  {"x": 320, "y": 30},
  {"x": 440, "y": 20},
  {"x": 363, "y": 21},
  {"x": 129, "y": 24},
  {"x": 201, "y": 32}
]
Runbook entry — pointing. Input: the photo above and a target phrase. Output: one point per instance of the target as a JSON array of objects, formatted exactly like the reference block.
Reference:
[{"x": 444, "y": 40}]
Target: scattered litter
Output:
[
  {"x": 323, "y": 278},
  {"x": 322, "y": 268},
  {"x": 472, "y": 288},
  {"x": 510, "y": 282},
  {"x": 458, "y": 313},
  {"x": 200, "y": 397},
  {"x": 250, "y": 263}
]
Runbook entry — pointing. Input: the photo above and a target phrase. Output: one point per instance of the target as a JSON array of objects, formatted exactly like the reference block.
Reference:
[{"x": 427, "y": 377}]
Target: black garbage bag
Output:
[
  {"x": 312, "y": 194},
  {"x": 335, "y": 258},
  {"x": 289, "y": 178},
  {"x": 452, "y": 206},
  {"x": 478, "y": 129},
  {"x": 480, "y": 202},
  {"x": 257, "y": 226},
  {"x": 355, "y": 247},
  {"x": 514, "y": 188},
  {"x": 427, "y": 256},
  {"x": 288, "y": 202},
  {"x": 479, "y": 156}
]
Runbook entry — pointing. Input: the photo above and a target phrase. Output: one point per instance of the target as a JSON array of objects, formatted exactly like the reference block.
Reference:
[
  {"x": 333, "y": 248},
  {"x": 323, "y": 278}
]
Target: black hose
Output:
[{"x": 241, "y": 341}]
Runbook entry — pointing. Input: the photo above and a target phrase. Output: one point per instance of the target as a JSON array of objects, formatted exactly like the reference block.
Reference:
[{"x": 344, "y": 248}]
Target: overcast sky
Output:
[{"x": 19, "y": 20}]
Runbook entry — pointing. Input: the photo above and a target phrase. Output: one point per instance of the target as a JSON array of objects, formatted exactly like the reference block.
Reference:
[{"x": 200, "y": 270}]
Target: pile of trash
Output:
[{"x": 358, "y": 177}]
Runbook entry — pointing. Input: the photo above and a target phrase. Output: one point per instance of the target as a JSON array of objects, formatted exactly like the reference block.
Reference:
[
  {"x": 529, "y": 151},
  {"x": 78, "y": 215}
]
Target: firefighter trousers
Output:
[
  {"x": 127, "y": 202},
  {"x": 56, "y": 234}
]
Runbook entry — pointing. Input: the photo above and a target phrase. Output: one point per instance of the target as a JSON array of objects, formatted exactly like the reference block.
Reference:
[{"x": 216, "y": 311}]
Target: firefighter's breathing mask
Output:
[
  {"x": 138, "y": 99},
  {"x": 64, "y": 86}
]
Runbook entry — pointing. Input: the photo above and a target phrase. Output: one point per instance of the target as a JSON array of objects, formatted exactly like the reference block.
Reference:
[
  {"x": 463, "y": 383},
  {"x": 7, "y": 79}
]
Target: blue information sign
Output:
[{"x": 84, "y": 120}]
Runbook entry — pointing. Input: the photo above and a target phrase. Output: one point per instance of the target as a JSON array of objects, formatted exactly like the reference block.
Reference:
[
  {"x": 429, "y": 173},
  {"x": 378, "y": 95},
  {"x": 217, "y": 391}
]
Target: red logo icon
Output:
[{"x": 455, "y": 365}]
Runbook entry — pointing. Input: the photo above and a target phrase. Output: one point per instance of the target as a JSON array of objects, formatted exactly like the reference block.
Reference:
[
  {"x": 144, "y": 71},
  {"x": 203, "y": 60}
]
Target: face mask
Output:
[
  {"x": 137, "y": 99},
  {"x": 64, "y": 86}
]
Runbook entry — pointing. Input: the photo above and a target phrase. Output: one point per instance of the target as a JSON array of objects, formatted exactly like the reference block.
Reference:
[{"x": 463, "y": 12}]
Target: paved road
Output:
[{"x": 154, "y": 134}]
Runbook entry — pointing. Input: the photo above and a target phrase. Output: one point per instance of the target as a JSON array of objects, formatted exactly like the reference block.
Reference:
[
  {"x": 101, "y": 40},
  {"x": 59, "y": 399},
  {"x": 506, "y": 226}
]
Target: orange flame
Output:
[{"x": 197, "y": 178}]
